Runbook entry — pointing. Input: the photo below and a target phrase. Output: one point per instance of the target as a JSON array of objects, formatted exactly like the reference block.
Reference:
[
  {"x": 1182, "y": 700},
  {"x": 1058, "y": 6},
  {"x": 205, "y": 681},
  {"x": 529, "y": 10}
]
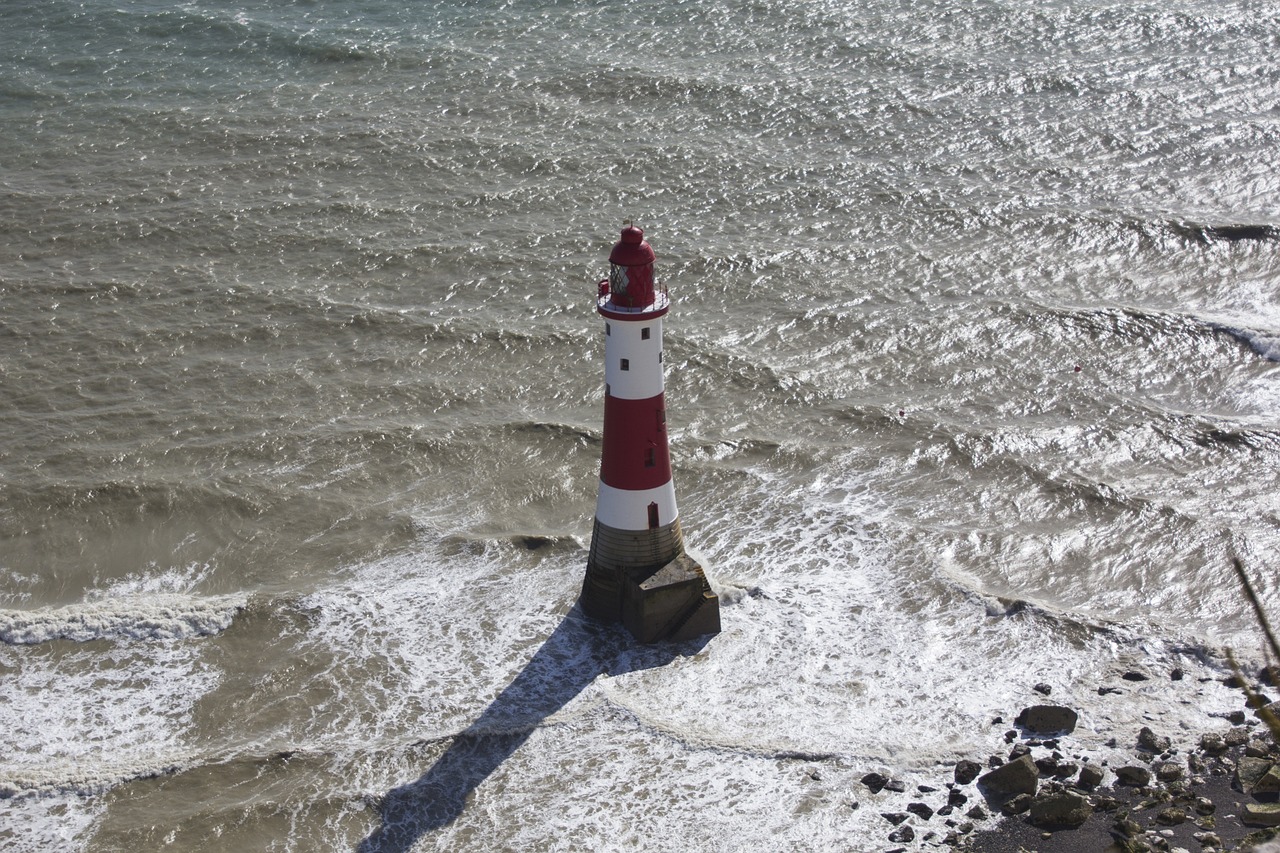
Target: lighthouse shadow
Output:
[{"x": 573, "y": 656}]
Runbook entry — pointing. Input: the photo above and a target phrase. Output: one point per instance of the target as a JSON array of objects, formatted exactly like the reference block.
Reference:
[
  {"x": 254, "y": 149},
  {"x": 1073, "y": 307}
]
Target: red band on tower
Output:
[{"x": 635, "y": 453}]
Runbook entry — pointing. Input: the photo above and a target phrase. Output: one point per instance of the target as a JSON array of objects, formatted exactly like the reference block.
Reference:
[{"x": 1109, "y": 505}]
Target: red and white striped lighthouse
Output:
[{"x": 637, "y": 571}]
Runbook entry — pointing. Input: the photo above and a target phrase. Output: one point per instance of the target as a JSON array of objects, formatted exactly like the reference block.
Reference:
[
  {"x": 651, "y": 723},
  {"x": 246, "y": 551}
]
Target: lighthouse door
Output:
[{"x": 653, "y": 516}]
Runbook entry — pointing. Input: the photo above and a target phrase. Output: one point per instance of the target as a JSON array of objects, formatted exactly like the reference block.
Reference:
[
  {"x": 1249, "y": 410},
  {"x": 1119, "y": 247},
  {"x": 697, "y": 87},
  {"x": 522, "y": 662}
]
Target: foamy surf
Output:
[{"x": 162, "y": 616}]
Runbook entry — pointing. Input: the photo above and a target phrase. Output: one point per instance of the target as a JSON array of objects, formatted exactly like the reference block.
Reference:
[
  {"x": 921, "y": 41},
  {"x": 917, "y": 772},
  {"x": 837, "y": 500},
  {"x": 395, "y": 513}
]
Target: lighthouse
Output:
[{"x": 637, "y": 570}]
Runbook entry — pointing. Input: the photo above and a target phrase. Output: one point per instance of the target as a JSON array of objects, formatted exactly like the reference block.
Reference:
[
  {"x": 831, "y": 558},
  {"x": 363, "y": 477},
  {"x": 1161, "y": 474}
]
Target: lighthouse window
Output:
[
  {"x": 608, "y": 330},
  {"x": 659, "y": 356},
  {"x": 644, "y": 333},
  {"x": 662, "y": 418},
  {"x": 626, "y": 364},
  {"x": 649, "y": 461}
]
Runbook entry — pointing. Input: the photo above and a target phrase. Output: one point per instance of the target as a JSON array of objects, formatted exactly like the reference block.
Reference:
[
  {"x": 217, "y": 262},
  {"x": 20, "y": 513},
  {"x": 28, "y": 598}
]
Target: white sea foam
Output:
[
  {"x": 76, "y": 721},
  {"x": 833, "y": 662},
  {"x": 165, "y": 616}
]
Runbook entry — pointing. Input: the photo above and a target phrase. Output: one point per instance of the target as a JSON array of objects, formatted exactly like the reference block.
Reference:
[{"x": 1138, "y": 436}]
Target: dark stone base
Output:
[{"x": 671, "y": 602}]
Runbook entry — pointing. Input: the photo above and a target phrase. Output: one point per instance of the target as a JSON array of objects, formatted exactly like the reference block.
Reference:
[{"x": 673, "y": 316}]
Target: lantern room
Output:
[{"x": 631, "y": 270}]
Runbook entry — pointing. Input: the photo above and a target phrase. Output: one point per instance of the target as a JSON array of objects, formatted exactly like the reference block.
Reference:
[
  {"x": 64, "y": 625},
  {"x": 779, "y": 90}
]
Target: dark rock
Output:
[
  {"x": 1169, "y": 771},
  {"x": 875, "y": 782},
  {"x": 1137, "y": 777},
  {"x": 1269, "y": 783},
  {"x": 966, "y": 771},
  {"x": 1238, "y": 736},
  {"x": 1261, "y": 814},
  {"x": 920, "y": 810},
  {"x": 1047, "y": 766},
  {"x": 926, "y": 789},
  {"x": 946, "y": 810},
  {"x": 1065, "y": 769},
  {"x": 1128, "y": 827},
  {"x": 977, "y": 813},
  {"x": 1171, "y": 817},
  {"x": 902, "y": 835},
  {"x": 1257, "y": 749},
  {"x": 1016, "y": 805},
  {"x": 1107, "y": 691},
  {"x": 1090, "y": 776},
  {"x": 1103, "y": 803},
  {"x": 1236, "y": 718},
  {"x": 955, "y": 798},
  {"x": 1043, "y": 689},
  {"x": 895, "y": 818},
  {"x": 1019, "y": 751},
  {"x": 895, "y": 785},
  {"x": 1176, "y": 674},
  {"x": 1131, "y": 675},
  {"x": 1063, "y": 810},
  {"x": 1047, "y": 719},
  {"x": 1213, "y": 744},
  {"x": 1016, "y": 777},
  {"x": 1152, "y": 742}
]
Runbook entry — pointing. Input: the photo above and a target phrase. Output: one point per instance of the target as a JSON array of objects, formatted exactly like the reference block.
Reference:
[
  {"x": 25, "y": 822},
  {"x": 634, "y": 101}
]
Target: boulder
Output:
[
  {"x": 920, "y": 810},
  {"x": 1261, "y": 814},
  {"x": 1065, "y": 769},
  {"x": 1062, "y": 810},
  {"x": 1249, "y": 771},
  {"x": 1171, "y": 817},
  {"x": 1047, "y": 719},
  {"x": 1269, "y": 783},
  {"x": 1213, "y": 744},
  {"x": 1169, "y": 771},
  {"x": 1017, "y": 777},
  {"x": 1152, "y": 742},
  {"x": 967, "y": 771},
  {"x": 1090, "y": 776},
  {"x": 1237, "y": 736},
  {"x": 875, "y": 782},
  {"x": 1016, "y": 805},
  {"x": 1138, "y": 777},
  {"x": 902, "y": 834}
]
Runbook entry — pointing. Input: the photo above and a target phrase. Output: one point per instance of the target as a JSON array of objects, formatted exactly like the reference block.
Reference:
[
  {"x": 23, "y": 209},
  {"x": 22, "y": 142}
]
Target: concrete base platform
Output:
[{"x": 671, "y": 602}]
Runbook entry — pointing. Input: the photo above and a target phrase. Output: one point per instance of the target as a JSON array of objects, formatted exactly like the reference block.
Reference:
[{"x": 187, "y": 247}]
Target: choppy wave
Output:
[{"x": 149, "y": 617}]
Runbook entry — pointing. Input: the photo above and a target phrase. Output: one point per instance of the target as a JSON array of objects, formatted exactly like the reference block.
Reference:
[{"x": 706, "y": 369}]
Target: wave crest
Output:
[{"x": 155, "y": 617}]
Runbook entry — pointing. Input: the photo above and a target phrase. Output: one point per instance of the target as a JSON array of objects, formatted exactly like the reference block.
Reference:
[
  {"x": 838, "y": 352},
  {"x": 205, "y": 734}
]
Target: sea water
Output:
[{"x": 972, "y": 385}]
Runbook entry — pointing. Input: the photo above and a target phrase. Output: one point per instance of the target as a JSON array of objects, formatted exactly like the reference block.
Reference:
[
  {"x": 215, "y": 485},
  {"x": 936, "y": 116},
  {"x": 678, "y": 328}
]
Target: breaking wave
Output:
[{"x": 171, "y": 616}]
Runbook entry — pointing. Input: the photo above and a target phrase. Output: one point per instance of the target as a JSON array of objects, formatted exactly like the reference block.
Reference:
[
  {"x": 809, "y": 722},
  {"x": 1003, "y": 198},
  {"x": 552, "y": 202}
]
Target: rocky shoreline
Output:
[{"x": 1211, "y": 792}]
